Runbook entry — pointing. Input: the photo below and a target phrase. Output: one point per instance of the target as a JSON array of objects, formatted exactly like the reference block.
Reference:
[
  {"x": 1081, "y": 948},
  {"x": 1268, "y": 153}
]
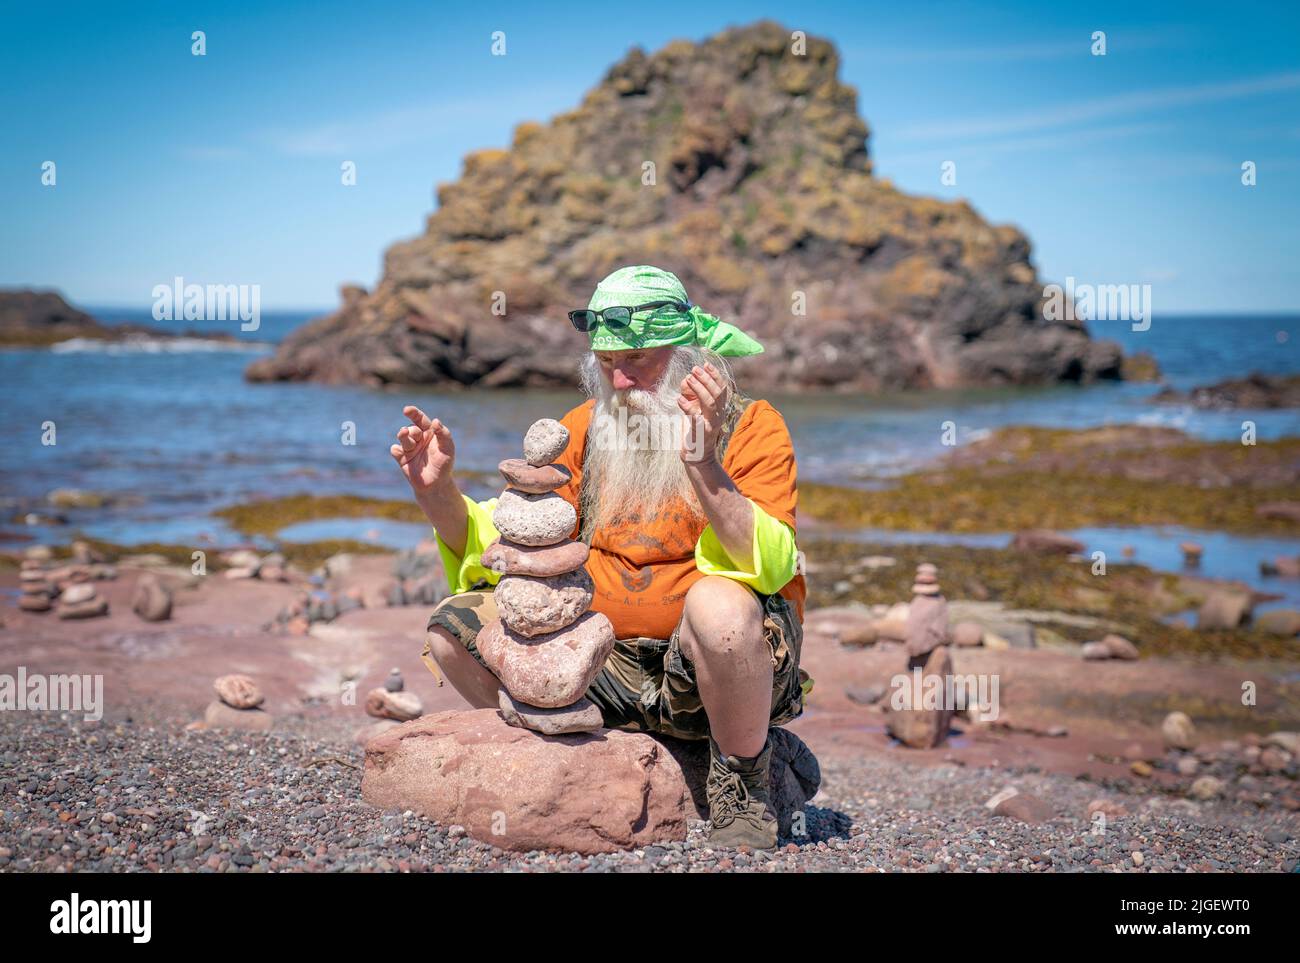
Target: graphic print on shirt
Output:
[{"x": 637, "y": 580}]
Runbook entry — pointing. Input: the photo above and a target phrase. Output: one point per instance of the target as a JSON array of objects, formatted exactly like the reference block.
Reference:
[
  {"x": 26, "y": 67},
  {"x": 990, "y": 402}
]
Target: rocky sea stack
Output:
[
  {"x": 761, "y": 199},
  {"x": 38, "y": 319}
]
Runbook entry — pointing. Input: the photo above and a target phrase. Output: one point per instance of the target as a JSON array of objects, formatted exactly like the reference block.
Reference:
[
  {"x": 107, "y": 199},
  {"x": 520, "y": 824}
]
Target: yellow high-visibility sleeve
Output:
[
  {"x": 775, "y": 555},
  {"x": 465, "y": 571}
]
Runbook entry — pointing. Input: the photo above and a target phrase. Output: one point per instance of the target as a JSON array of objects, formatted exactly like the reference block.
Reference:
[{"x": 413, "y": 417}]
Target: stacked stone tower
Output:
[
  {"x": 927, "y": 617},
  {"x": 546, "y": 647}
]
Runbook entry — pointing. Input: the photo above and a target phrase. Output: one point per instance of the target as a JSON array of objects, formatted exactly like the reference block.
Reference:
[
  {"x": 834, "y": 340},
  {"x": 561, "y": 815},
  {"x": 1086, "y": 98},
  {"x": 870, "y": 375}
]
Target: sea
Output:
[{"x": 170, "y": 431}]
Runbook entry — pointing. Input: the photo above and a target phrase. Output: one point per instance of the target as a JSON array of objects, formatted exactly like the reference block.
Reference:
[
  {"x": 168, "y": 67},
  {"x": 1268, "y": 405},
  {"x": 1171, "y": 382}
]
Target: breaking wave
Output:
[{"x": 147, "y": 345}]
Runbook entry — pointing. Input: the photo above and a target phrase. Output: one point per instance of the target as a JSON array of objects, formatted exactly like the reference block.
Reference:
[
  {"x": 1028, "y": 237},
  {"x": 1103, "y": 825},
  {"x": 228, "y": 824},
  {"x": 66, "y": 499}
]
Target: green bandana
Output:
[{"x": 661, "y": 327}]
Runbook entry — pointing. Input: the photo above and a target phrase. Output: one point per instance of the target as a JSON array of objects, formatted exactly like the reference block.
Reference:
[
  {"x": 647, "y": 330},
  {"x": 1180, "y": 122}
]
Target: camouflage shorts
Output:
[{"x": 648, "y": 685}]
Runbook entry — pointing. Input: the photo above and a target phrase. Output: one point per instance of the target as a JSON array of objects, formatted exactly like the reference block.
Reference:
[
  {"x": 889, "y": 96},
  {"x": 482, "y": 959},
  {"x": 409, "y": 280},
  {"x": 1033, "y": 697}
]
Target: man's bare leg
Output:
[
  {"x": 722, "y": 635},
  {"x": 476, "y": 684}
]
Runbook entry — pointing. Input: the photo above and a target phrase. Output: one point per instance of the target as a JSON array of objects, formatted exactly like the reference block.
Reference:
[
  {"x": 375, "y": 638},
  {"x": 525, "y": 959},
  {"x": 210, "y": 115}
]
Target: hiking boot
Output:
[{"x": 740, "y": 811}]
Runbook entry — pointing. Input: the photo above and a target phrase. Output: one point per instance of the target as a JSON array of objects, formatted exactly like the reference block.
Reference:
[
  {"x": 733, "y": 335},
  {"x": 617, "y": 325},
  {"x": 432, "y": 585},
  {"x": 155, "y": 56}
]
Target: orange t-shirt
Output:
[{"x": 642, "y": 568}]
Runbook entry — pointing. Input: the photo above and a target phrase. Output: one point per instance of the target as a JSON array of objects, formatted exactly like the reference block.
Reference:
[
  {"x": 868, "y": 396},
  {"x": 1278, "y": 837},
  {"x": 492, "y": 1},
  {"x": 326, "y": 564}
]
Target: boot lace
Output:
[{"x": 731, "y": 801}]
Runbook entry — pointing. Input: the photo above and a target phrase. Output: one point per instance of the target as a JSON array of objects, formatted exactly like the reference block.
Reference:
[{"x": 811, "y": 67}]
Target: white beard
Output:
[{"x": 633, "y": 469}]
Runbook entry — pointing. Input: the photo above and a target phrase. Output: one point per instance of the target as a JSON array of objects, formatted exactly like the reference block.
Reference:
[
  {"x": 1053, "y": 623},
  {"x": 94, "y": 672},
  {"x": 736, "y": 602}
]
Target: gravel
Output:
[{"x": 146, "y": 794}]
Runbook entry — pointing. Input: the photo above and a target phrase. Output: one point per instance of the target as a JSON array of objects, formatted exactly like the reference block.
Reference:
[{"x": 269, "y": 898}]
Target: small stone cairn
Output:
[
  {"x": 69, "y": 589},
  {"x": 546, "y": 647},
  {"x": 927, "y": 616},
  {"x": 911, "y": 722},
  {"x": 391, "y": 701},
  {"x": 238, "y": 706}
]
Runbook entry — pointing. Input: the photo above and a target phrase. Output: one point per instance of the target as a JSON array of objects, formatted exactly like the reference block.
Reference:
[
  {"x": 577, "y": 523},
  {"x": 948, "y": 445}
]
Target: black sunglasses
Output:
[{"x": 619, "y": 317}]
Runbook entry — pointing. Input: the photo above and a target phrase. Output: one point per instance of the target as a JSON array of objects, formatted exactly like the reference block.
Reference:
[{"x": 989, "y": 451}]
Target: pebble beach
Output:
[{"x": 148, "y": 796}]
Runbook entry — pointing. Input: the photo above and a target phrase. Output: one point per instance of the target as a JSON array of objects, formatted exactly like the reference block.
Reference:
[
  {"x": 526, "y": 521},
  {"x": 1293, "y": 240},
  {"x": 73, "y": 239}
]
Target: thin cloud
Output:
[
  {"x": 1049, "y": 142},
  {"x": 1101, "y": 108},
  {"x": 391, "y": 128},
  {"x": 401, "y": 126},
  {"x": 1004, "y": 53},
  {"x": 1079, "y": 46},
  {"x": 1159, "y": 275},
  {"x": 1166, "y": 164},
  {"x": 211, "y": 152}
]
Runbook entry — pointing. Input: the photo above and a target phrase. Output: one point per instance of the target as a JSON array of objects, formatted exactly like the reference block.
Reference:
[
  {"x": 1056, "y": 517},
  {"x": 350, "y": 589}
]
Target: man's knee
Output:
[
  {"x": 720, "y": 616},
  {"x": 446, "y": 648},
  {"x": 442, "y": 643}
]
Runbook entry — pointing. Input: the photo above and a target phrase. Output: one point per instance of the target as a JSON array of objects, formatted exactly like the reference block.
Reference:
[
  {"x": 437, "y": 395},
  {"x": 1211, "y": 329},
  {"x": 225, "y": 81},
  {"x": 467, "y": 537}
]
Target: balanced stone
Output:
[
  {"x": 926, "y": 581},
  {"x": 87, "y": 609},
  {"x": 536, "y": 481},
  {"x": 1095, "y": 651},
  {"x": 399, "y": 706},
  {"x": 548, "y": 670},
  {"x": 1178, "y": 731},
  {"x": 1224, "y": 610},
  {"x": 582, "y": 716},
  {"x": 545, "y": 441},
  {"x": 1120, "y": 647},
  {"x": 927, "y": 622},
  {"x": 535, "y": 606},
  {"x": 81, "y": 592},
  {"x": 533, "y": 519},
  {"x": 152, "y": 601},
  {"x": 916, "y": 725},
  {"x": 238, "y": 692},
  {"x": 35, "y": 602},
  {"x": 506, "y": 559}
]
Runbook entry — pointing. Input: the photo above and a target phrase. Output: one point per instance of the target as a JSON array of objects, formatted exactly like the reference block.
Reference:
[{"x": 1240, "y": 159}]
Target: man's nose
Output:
[{"x": 620, "y": 380}]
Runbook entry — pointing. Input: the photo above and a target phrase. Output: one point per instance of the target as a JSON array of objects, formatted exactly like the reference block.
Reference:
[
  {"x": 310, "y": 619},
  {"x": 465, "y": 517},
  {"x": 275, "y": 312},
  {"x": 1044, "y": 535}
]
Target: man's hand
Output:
[
  {"x": 703, "y": 402},
  {"x": 424, "y": 452}
]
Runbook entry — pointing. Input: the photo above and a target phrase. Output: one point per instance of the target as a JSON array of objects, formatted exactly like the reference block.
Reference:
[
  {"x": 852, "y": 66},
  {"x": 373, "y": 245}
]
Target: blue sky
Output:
[{"x": 225, "y": 168}]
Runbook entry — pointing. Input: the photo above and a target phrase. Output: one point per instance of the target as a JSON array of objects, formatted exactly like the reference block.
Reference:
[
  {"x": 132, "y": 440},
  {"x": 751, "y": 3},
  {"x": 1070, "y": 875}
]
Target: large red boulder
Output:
[{"x": 584, "y": 792}]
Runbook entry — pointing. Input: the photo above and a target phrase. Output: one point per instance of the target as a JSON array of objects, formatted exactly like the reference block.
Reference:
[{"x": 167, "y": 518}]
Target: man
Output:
[{"x": 685, "y": 492}]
